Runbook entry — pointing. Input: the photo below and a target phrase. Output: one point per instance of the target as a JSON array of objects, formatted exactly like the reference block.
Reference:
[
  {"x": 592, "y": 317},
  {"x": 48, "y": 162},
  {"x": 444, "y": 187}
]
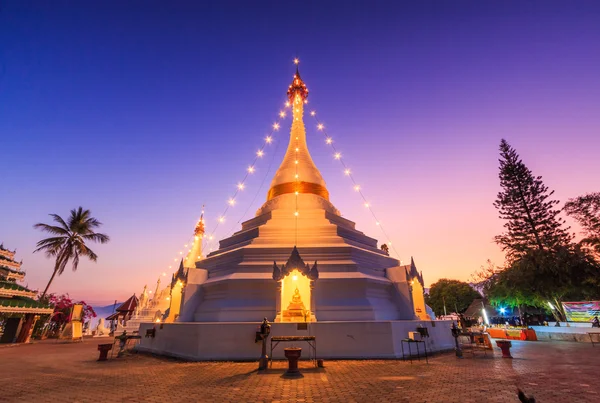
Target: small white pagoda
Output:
[{"x": 298, "y": 261}]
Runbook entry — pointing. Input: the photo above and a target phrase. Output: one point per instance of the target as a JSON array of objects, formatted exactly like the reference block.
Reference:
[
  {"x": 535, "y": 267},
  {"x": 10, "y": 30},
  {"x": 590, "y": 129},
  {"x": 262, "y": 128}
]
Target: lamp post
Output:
[
  {"x": 455, "y": 333},
  {"x": 263, "y": 335}
]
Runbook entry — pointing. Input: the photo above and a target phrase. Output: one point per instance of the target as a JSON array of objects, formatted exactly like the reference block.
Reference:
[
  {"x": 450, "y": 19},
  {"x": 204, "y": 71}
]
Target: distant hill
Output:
[{"x": 102, "y": 312}]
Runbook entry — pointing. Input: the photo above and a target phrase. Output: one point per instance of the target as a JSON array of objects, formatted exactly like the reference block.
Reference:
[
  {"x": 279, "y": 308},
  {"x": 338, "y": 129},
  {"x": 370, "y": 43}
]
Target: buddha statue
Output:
[{"x": 296, "y": 309}]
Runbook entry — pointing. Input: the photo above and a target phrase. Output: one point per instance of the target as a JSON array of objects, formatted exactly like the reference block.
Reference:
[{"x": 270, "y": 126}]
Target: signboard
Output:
[
  {"x": 581, "y": 311},
  {"x": 77, "y": 312}
]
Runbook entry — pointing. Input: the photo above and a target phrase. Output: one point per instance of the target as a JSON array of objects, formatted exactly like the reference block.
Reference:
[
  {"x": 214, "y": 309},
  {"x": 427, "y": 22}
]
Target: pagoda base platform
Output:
[{"x": 234, "y": 341}]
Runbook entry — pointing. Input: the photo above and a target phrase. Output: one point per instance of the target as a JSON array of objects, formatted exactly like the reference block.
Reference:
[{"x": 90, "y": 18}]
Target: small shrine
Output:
[
  {"x": 123, "y": 313},
  {"x": 295, "y": 282},
  {"x": 17, "y": 303}
]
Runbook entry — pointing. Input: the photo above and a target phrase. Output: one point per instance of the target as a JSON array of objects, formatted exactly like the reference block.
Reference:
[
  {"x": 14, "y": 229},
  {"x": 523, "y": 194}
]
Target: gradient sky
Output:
[{"x": 144, "y": 111}]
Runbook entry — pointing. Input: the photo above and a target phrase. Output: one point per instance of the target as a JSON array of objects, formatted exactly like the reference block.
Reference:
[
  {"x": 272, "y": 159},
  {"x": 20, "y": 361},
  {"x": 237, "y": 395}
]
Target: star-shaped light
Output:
[
  {"x": 357, "y": 188},
  {"x": 269, "y": 139},
  {"x": 337, "y": 156},
  {"x": 276, "y": 126},
  {"x": 313, "y": 113},
  {"x": 241, "y": 186},
  {"x": 260, "y": 153},
  {"x": 296, "y": 61},
  {"x": 328, "y": 140},
  {"x": 250, "y": 169},
  {"x": 282, "y": 114},
  {"x": 231, "y": 201},
  {"x": 320, "y": 126},
  {"x": 347, "y": 172}
]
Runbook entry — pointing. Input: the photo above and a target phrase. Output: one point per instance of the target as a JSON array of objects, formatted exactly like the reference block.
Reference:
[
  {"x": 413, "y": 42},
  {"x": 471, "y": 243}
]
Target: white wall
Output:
[{"x": 235, "y": 341}]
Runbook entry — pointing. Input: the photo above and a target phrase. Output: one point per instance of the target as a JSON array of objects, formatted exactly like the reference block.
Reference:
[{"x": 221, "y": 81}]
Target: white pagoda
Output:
[{"x": 298, "y": 261}]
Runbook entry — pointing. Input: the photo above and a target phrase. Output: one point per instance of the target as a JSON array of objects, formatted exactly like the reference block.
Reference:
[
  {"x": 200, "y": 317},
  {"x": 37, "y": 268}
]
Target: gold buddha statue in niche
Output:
[{"x": 296, "y": 309}]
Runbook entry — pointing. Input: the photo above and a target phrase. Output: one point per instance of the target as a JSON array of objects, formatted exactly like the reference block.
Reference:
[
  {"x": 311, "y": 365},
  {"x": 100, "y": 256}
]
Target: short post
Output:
[
  {"x": 104, "y": 349},
  {"x": 455, "y": 333},
  {"x": 505, "y": 346},
  {"x": 293, "y": 355}
]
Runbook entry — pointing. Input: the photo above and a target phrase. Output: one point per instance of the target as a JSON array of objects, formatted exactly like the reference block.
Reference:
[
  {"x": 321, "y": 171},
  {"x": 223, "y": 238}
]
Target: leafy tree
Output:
[
  {"x": 62, "y": 313},
  {"x": 543, "y": 265},
  {"x": 543, "y": 276},
  {"x": 532, "y": 221},
  {"x": 586, "y": 211},
  {"x": 68, "y": 242},
  {"x": 455, "y": 295}
]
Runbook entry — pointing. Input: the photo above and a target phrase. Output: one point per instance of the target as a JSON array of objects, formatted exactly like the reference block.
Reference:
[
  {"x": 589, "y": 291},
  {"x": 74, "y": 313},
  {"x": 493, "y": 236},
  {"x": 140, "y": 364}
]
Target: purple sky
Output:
[{"x": 145, "y": 111}]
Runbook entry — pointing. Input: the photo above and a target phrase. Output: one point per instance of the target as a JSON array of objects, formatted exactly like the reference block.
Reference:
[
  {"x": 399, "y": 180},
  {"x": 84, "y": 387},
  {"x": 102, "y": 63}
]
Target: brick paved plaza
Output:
[{"x": 51, "y": 371}]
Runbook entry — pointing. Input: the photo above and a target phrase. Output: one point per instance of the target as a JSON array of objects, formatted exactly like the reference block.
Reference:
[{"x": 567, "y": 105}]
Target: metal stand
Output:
[{"x": 417, "y": 342}]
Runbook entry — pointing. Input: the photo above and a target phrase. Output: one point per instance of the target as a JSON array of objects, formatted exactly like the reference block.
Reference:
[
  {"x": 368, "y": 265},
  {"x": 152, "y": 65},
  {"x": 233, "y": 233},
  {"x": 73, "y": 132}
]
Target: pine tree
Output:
[
  {"x": 586, "y": 211},
  {"x": 532, "y": 221}
]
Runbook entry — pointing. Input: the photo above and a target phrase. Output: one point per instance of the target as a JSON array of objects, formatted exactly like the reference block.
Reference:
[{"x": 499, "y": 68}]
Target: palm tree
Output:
[{"x": 69, "y": 240}]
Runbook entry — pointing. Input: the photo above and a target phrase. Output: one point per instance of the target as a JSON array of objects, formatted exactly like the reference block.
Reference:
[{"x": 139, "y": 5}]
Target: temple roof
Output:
[
  {"x": 129, "y": 305},
  {"x": 23, "y": 305}
]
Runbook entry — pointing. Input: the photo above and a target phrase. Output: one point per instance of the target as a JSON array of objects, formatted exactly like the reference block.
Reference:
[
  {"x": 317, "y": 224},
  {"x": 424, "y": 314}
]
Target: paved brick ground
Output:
[{"x": 52, "y": 372}]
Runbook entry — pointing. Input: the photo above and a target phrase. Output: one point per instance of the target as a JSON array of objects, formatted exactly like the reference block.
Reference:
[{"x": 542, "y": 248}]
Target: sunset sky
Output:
[{"x": 143, "y": 112}]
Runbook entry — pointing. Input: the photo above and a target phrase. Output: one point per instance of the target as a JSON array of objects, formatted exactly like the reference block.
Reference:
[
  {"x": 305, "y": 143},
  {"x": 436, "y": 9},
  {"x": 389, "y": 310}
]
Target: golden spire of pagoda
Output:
[
  {"x": 297, "y": 172},
  {"x": 195, "y": 253}
]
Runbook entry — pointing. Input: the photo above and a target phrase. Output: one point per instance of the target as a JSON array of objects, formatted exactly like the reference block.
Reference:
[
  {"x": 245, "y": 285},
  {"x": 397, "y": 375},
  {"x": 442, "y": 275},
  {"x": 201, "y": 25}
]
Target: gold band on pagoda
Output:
[{"x": 300, "y": 187}]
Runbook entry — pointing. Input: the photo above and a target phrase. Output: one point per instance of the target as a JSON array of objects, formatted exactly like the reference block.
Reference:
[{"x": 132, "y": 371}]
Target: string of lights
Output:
[
  {"x": 337, "y": 155},
  {"x": 241, "y": 185},
  {"x": 258, "y": 191},
  {"x": 231, "y": 202}
]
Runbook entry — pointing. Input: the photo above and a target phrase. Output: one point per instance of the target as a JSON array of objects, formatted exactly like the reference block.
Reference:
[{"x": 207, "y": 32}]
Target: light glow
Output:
[
  {"x": 268, "y": 139},
  {"x": 241, "y": 186},
  {"x": 337, "y": 156},
  {"x": 328, "y": 140},
  {"x": 347, "y": 172},
  {"x": 231, "y": 201},
  {"x": 260, "y": 153},
  {"x": 320, "y": 126},
  {"x": 357, "y": 188},
  {"x": 313, "y": 113},
  {"x": 485, "y": 317},
  {"x": 250, "y": 169},
  {"x": 282, "y": 114},
  {"x": 296, "y": 61},
  {"x": 276, "y": 126}
]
